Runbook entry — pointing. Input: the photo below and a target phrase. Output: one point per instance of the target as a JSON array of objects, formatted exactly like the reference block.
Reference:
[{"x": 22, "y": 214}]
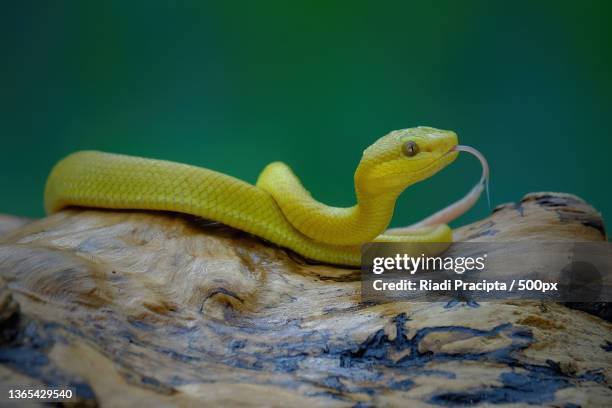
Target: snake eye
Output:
[{"x": 410, "y": 148}]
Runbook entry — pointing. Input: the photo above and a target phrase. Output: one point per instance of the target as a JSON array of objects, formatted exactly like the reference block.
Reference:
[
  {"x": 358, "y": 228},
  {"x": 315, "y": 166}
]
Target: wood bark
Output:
[{"x": 134, "y": 308}]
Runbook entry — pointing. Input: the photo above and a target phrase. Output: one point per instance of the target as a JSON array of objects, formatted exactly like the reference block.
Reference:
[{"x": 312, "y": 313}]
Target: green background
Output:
[{"x": 234, "y": 85}]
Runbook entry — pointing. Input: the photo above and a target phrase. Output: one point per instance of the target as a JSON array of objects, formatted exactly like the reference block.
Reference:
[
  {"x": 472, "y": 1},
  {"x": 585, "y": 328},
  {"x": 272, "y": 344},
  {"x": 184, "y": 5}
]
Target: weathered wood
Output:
[
  {"x": 10, "y": 223},
  {"x": 136, "y": 308}
]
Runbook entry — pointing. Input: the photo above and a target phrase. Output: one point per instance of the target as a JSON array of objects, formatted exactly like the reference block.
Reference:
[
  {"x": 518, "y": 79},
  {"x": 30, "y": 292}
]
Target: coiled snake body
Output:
[{"x": 278, "y": 208}]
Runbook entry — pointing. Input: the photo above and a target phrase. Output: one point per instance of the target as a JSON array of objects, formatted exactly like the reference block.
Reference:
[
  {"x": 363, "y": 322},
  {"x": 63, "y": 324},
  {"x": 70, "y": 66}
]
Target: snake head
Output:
[{"x": 404, "y": 157}]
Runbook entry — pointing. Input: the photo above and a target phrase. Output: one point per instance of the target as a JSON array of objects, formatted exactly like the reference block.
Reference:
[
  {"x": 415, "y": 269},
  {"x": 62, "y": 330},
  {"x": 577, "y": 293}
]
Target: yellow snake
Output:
[{"x": 278, "y": 208}]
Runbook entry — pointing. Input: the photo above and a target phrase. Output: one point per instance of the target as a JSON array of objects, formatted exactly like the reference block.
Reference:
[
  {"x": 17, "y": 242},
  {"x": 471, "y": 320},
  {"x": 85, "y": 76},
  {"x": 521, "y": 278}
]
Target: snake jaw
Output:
[{"x": 385, "y": 169}]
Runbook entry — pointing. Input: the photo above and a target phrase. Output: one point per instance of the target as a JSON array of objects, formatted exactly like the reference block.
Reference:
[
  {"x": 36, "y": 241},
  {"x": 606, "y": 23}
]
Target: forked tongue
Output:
[{"x": 459, "y": 207}]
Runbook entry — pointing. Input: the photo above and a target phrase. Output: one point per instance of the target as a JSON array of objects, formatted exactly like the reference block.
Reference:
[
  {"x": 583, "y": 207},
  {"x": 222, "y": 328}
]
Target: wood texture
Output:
[{"x": 136, "y": 308}]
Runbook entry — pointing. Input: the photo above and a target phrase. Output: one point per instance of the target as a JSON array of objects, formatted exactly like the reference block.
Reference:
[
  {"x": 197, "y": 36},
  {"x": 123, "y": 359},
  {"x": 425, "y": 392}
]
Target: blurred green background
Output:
[{"x": 234, "y": 85}]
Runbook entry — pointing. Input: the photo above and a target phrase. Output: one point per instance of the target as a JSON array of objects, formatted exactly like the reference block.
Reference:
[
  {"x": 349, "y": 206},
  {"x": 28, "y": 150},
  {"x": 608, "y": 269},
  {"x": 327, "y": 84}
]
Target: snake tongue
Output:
[
  {"x": 484, "y": 178},
  {"x": 462, "y": 205}
]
